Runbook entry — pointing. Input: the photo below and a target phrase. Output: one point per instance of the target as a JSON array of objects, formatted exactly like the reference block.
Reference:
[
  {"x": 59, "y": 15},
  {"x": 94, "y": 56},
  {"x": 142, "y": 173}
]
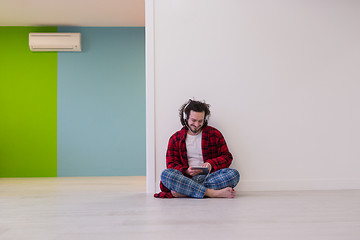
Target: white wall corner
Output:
[{"x": 150, "y": 102}]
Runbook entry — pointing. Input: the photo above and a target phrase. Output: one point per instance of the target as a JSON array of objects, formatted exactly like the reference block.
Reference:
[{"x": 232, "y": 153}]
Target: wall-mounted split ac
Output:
[{"x": 55, "y": 42}]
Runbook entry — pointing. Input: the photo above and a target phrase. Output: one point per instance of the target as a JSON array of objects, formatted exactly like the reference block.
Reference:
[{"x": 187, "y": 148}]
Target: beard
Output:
[{"x": 195, "y": 130}]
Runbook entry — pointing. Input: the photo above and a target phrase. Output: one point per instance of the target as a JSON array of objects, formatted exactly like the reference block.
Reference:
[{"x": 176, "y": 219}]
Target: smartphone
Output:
[{"x": 204, "y": 170}]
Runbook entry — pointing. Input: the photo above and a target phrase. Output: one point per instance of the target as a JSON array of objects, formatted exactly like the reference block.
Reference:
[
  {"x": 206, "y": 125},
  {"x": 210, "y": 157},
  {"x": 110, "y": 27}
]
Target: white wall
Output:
[{"x": 283, "y": 80}]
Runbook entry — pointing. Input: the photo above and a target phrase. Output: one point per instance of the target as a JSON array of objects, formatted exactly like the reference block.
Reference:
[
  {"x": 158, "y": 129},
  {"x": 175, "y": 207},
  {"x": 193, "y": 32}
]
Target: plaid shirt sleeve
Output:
[
  {"x": 176, "y": 154},
  {"x": 215, "y": 150}
]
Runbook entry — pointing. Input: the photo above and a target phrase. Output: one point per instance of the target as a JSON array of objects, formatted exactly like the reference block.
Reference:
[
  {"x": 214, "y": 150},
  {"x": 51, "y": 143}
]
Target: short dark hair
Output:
[{"x": 195, "y": 106}]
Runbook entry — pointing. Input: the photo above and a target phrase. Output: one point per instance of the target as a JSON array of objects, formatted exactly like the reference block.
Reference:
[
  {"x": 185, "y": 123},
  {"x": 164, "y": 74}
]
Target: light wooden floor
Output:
[{"x": 118, "y": 208}]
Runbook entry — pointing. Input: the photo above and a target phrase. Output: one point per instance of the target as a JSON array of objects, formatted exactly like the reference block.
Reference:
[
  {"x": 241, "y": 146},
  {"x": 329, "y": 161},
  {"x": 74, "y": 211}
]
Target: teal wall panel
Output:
[{"x": 101, "y": 104}]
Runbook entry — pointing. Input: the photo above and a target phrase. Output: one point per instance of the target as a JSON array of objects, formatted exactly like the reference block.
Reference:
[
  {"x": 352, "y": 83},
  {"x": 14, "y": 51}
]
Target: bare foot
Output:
[
  {"x": 222, "y": 193},
  {"x": 178, "y": 195}
]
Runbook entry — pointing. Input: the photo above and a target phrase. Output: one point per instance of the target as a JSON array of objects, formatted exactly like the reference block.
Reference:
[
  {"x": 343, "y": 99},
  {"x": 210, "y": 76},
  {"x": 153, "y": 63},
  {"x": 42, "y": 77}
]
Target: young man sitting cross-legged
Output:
[{"x": 197, "y": 144}]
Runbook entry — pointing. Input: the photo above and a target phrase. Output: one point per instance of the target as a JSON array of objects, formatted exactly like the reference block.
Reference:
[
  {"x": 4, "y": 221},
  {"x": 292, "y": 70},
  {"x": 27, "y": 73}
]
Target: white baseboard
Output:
[{"x": 297, "y": 185}]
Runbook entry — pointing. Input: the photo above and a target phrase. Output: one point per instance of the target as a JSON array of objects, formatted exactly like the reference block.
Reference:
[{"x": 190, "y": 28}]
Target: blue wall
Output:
[{"x": 101, "y": 104}]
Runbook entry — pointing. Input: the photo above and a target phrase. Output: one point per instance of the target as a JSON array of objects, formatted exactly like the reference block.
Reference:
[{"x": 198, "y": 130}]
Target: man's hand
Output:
[
  {"x": 192, "y": 172},
  {"x": 208, "y": 165}
]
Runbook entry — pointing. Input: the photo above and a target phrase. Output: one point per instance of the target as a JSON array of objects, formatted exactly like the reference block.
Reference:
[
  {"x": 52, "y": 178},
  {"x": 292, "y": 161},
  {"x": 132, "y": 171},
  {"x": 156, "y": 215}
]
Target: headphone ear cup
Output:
[
  {"x": 206, "y": 120},
  {"x": 184, "y": 116}
]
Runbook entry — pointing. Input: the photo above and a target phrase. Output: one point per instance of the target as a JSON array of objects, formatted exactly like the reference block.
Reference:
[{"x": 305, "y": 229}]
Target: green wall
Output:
[{"x": 28, "y": 98}]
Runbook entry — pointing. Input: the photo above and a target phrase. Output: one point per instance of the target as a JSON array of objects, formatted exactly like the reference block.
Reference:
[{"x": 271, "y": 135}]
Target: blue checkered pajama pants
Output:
[{"x": 196, "y": 186}]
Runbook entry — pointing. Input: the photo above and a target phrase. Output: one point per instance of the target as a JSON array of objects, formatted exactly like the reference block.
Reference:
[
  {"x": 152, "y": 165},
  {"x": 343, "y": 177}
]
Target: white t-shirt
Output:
[{"x": 194, "y": 151}]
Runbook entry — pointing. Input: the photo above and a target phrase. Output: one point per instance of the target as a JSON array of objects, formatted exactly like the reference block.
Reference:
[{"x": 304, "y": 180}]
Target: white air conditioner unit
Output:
[{"x": 55, "y": 42}]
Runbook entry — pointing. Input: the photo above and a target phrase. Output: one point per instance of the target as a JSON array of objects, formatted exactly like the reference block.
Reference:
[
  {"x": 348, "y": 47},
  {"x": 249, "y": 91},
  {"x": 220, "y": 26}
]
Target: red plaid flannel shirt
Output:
[{"x": 214, "y": 150}]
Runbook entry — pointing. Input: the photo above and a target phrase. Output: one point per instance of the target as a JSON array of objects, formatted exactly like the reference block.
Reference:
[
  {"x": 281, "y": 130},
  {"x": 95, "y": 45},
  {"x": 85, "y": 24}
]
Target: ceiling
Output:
[{"x": 95, "y": 13}]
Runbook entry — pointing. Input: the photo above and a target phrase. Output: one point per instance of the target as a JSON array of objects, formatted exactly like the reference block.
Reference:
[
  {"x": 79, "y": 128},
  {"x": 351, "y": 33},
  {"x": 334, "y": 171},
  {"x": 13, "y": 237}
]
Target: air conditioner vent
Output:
[{"x": 55, "y": 42}]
